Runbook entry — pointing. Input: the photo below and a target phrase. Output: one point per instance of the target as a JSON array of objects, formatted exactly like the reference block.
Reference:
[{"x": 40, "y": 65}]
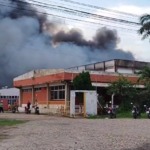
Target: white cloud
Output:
[{"x": 133, "y": 9}]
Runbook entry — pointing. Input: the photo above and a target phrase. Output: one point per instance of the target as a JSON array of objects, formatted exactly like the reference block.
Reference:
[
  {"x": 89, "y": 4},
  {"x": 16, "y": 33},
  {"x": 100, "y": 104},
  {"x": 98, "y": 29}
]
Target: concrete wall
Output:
[
  {"x": 91, "y": 103},
  {"x": 124, "y": 70},
  {"x": 38, "y": 73},
  {"x": 26, "y": 96},
  {"x": 41, "y": 97}
]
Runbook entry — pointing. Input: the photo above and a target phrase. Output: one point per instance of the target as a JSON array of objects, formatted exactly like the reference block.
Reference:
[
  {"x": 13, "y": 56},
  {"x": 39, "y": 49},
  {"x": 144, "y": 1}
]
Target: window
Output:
[
  {"x": 37, "y": 89},
  {"x": 27, "y": 90},
  {"x": 58, "y": 92},
  {"x": 9, "y": 102}
]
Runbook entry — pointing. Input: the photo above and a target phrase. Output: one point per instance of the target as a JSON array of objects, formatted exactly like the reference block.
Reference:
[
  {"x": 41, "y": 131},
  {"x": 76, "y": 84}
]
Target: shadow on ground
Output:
[{"x": 145, "y": 146}]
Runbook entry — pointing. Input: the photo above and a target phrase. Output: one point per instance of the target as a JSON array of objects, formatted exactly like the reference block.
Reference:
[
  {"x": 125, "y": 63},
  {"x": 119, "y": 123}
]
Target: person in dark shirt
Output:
[{"x": 28, "y": 105}]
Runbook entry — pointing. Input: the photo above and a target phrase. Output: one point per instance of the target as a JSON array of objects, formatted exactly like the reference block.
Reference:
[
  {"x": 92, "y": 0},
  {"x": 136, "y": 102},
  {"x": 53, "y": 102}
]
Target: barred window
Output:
[
  {"x": 58, "y": 92},
  {"x": 27, "y": 90},
  {"x": 37, "y": 89}
]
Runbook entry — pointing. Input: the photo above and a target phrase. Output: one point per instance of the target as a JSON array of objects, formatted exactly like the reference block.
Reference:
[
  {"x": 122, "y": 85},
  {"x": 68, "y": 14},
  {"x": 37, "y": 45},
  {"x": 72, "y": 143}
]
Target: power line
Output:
[
  {"x": 61, "y": 4},
  {"x": 97, "y": 7},
  {"x": 23, "y": 9},
  {"x": 83, "y": 13},
  {"x": 86, "y": 24}
]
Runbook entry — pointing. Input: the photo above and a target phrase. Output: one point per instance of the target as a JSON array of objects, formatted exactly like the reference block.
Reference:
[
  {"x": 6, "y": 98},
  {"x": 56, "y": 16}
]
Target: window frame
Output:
[{"x": 58, "y": 93}]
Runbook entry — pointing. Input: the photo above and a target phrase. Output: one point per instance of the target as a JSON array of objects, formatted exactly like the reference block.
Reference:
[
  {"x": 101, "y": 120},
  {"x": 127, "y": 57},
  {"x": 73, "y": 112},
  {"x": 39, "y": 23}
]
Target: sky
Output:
[
  {"x": 133, "y": 43},
  {"x": 129, "y": 41}
]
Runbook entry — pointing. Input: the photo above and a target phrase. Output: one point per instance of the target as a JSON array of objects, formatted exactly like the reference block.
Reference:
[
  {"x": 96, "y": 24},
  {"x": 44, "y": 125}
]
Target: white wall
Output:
[
  {"x": 124, "y": 70},
  {"x": 110, "y": 70},
  {"x": 72, "y": 103},
  {"x": 110, "y": 63},
  {"x": 91, "y": 103},
  {"x": 9, "y": 92}
]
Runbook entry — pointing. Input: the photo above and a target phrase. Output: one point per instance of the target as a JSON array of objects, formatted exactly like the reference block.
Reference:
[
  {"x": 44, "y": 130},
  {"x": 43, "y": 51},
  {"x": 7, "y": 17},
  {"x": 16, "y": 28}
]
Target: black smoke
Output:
[
  {"x": 29, "y": 41},
  {"x": 103, "y": 38}
]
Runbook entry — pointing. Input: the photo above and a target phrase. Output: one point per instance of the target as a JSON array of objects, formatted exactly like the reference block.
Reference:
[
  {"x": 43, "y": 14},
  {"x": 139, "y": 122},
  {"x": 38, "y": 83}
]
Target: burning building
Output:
[{"x": 51, "y": 87}]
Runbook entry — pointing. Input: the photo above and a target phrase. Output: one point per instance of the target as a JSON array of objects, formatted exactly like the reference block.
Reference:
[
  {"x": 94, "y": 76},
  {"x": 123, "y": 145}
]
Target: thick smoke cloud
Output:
[
  {"x": 29, "y": 41},
  {"x": 102, "y": 40}
]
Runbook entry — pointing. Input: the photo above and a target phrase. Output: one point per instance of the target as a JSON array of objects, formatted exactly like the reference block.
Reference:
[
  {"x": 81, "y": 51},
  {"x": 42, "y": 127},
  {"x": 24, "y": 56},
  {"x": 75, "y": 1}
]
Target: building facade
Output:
[
  {"x": 9, "y": 96},
  {"x": 51, "y": 88}
]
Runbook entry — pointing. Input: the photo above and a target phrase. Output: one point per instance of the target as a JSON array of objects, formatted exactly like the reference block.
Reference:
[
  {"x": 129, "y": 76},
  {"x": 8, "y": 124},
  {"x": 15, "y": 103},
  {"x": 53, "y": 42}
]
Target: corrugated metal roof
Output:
[{"x": 9, "y": 92}]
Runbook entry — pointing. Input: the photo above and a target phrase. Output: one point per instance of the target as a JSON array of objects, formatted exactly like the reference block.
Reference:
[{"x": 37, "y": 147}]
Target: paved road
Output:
[{"x": 56, "y": 133}]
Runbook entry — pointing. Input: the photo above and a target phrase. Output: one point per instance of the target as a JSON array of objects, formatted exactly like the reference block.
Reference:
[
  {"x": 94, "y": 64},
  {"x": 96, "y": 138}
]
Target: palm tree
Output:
[
  {"x": 144, "y": 76},
  {"x": 145, "y": 23}
]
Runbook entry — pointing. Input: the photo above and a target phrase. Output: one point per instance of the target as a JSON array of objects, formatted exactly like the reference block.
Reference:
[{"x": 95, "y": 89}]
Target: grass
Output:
[
  {"x": 8, "y": 123},
  {"x": 119, "y": 116},
  {"x": 4, "y": 123},
  {"x": 97, "y": 117},
  {"x": 129, "y": 115}
]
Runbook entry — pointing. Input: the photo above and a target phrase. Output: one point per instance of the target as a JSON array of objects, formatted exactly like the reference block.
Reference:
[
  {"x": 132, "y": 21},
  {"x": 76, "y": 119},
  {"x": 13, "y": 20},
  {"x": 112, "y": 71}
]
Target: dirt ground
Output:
[{"x": 57, "y": 133}]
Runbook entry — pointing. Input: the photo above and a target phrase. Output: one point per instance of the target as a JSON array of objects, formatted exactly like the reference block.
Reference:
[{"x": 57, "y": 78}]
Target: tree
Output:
[
  {"x": 126, "y": 90},
  {"x": 145, "y": 23},
  {"x": 82, "y": 82},
  {"x": 145, "y": 76},
  {"x": 121, "y": 86}
]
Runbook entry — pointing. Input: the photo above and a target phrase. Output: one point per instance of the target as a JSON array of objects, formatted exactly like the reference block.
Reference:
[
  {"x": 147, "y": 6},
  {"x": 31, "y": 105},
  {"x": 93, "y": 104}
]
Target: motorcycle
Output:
[
  {"x": 15, "y": 109},
  {"x": 147, "y": 111},
  {"x": 36, "y": 110},
  {"x": 27, "y": 110},
  {"x": 135, "y": 111},
  {"x": 111, "y": 113}
]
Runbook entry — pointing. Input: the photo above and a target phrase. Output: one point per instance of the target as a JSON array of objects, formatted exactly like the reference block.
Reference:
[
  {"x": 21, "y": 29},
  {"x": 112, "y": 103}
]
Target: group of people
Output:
[
  {"x": 15, "y": 105},
  {"x": 1, "y": 107}
]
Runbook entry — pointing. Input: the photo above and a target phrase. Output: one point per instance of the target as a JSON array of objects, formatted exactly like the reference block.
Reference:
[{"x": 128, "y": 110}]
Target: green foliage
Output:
[
  {"x": 82, "y": 82},
  {"x": 127, "y": 92},
  {"x": 122, "y": 86},
  {"x": 145, "y": 76},
  {"x": 145, "y": 26}
]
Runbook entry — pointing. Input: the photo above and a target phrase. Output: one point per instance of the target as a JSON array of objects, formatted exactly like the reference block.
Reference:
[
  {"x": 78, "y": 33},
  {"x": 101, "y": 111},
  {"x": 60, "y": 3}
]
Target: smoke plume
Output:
[{"x": 28, "y": 41}]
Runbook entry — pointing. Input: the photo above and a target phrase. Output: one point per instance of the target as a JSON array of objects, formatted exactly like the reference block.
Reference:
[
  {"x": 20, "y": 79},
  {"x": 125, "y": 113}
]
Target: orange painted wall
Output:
[
  {"x": 100, "y": 78},
  {"x": 41, "y": 96},
  {"x": 57, "y": 102},
  {"x": 40, "y": 80},
  {"x": 68, "y": 76},
  {"x": 26, "y": 96}
]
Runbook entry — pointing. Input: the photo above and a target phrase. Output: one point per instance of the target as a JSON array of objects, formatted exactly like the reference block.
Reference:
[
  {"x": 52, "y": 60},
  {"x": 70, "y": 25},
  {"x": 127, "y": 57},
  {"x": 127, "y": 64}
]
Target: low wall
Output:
[{"x": 53, "y": 109}]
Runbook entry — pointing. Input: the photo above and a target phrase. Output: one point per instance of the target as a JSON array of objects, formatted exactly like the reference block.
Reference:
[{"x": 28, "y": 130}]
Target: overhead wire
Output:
[
  {"x": 87, "y": 9},
  {"x": 97, "y": 7},
  {"x": 23, "y": 9},
  {"x": 52, "y": 51},
  {"x": 83, "y": 14}
]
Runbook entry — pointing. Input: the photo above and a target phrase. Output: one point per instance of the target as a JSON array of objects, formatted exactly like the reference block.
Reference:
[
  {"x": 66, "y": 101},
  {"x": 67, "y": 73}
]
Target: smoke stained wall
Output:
[{"x": 28, "y": 41}]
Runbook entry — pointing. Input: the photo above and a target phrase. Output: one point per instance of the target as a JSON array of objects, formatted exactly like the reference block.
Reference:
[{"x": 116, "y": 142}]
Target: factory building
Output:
[
  {"x": 51, "y": 88},
  {"x": 9, "y": 96}
]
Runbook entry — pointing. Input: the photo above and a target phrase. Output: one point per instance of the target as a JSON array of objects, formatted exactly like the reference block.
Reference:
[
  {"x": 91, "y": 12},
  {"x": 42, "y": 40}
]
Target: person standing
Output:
[
  {"x": 28, "y": 105},
  {"x": 1, "y": 107}
]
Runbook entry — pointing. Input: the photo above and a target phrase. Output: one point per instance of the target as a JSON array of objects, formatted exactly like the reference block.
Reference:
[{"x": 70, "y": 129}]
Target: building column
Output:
[
  {"x": 66, "y": 94},
  {"x": 48, "y": 95},
  {"x": 33, "y": 95},
  {"x": 20, "y": 97}
]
